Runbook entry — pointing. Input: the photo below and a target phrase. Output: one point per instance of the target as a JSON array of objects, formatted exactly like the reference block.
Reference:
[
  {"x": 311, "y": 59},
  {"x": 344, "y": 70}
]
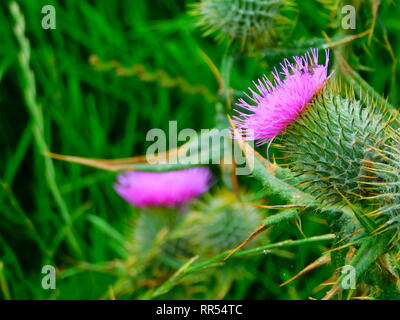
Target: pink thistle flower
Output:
[
  {"x": 275, "y": 106},
  {"x": 163, "y": 189}
]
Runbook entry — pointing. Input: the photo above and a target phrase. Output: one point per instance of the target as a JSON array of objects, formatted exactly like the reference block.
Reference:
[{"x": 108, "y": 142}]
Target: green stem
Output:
[
  {"x": 29, "y": 90},
  {"x": 219, "y": 259}
]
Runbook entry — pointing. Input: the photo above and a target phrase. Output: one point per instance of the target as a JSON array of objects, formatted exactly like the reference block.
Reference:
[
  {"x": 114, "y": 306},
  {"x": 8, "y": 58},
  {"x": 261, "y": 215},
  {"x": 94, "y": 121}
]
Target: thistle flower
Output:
[
  {"x": 162, "y": 189},
  {"x": 277, "y": 105}
]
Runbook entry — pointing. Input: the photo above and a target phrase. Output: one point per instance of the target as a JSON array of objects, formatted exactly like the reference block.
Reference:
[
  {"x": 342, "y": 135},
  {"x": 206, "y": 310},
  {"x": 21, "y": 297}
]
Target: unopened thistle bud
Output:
[
  {"x": 222, "y": 223},
  {"x": 256, "y": 22}
]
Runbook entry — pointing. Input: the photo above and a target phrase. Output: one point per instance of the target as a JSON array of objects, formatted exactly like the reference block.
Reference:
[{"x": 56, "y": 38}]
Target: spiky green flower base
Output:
[{"x": 328, "y": 143}]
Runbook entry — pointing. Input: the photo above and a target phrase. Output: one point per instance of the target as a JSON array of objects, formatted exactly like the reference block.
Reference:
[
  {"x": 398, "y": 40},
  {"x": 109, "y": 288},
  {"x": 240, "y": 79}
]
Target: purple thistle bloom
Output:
[
  {"x": 275, "y": 106},
  {"x": 162, "y": 189}
]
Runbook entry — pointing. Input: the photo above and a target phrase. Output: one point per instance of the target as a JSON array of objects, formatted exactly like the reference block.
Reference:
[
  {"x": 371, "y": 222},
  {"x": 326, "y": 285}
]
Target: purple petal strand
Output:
[{"x": 276, "y": 105}]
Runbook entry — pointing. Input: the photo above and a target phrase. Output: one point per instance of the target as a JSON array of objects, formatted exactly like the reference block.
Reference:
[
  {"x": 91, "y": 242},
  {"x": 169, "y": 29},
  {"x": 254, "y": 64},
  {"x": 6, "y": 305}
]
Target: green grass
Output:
[{"x": 65, "y": 214}]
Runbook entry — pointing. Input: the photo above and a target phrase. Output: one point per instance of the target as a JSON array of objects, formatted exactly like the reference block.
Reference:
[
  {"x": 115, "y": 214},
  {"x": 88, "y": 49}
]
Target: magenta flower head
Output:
[
  {"x": 276, "y": 105},
  {"x": 163, "y": 189}
]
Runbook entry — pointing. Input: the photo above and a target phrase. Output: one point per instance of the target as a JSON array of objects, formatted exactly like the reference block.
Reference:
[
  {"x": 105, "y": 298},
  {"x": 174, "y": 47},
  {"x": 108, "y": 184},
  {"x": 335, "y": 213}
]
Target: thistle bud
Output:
[{"x": 259, "y": 23}]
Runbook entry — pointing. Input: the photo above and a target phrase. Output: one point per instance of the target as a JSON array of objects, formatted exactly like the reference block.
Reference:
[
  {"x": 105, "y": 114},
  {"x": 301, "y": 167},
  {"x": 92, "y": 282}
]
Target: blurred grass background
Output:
[{"x": 111, "y": 71}]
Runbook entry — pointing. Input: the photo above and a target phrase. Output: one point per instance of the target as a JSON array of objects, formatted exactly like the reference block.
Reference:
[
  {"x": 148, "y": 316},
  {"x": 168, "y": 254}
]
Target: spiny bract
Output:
[
  {"x": 328, "y": 143},
  {"x": 258, "y": 22},
  {"x": 382, "y": 178}
]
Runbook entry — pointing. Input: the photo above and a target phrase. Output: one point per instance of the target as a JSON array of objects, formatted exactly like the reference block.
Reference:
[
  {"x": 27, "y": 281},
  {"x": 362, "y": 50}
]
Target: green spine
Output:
[{"x": 383, "y": 172}]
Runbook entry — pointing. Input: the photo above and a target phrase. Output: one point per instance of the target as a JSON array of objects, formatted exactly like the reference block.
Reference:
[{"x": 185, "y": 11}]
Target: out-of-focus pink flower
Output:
[
  {"x": 163, "y": 189},
  {"x": 276, "y": 105}
]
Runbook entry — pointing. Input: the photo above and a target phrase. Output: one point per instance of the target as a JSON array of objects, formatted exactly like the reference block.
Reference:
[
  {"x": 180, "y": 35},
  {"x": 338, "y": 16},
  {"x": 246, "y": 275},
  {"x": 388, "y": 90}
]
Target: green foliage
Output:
[
  {"x": 164, "y": 239},
  {"x": 149, "y": 237}
]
